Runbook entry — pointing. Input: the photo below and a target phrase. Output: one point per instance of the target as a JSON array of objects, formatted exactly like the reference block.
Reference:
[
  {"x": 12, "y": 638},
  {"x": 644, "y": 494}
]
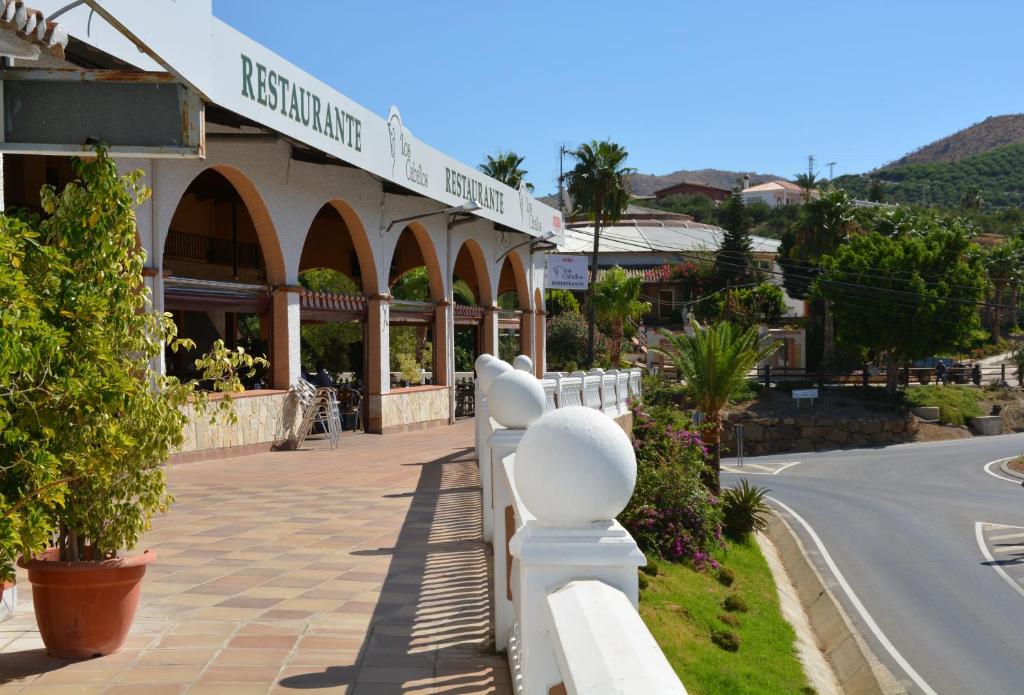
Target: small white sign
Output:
[
  {"x": 800, "y": 394},
  {"x": 567, "y": 272}
]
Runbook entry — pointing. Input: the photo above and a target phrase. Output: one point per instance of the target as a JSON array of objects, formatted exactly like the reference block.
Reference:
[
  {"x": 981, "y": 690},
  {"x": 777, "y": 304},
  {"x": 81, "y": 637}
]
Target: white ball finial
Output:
[
  {"x": 523, "y": 363},
  {"x": 516, "y": 400},
  {"x": 574, "y": 466},
  {"x": 483, "y": 359},
  {"x": 490, "y": 371}
]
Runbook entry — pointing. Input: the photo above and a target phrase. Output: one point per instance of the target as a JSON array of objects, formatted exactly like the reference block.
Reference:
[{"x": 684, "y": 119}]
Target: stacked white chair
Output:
[{"x": 318, "y": 405}]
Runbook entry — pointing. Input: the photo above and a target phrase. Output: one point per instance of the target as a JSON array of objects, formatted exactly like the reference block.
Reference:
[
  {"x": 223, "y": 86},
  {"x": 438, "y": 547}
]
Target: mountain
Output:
[
  {"x": 998, "y": 173},
  {"x": 992, "y": 133},
  {"x": 647, "y": 184}
]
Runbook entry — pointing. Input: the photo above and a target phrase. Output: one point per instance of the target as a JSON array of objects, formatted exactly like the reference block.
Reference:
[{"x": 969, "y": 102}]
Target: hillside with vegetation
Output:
[
  {"x": 995, "y": 179},
  {"x": 647, "y": 184},
  {"x": 993, "y": 132}
]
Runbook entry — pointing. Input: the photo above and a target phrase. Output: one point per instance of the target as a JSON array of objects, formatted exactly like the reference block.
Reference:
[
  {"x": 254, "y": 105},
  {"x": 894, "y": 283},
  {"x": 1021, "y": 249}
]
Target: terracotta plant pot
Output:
[{"x": 85, "y": 609}]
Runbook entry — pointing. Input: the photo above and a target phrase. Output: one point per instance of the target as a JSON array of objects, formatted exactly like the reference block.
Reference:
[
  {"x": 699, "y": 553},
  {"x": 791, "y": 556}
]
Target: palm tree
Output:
[
  {"x": 807, "y": 183},
  {"x": 598, "y": 188},
  {"x": 507, "y": 168},
  {"x": 714, "y": 362},
  {"x": 1002, "y": 264},
  {"x": 617, "y": 298}
]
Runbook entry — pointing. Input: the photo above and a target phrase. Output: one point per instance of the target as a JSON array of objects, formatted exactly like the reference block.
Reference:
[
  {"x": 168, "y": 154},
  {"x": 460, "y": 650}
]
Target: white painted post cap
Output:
[
  {"x": 597, "y": 370},
  {"x": 516, "y": 399},
  {"x": 489, "y": 371},
  {"x": 523, "y": 363},
  {"x": 574, "y": 466}
]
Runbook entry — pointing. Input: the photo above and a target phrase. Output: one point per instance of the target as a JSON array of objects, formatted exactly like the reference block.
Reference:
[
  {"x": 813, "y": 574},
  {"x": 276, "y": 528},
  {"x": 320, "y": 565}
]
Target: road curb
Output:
[
  {"x": 855, "y": 666},
  {"x": 1009, "y": 471}
]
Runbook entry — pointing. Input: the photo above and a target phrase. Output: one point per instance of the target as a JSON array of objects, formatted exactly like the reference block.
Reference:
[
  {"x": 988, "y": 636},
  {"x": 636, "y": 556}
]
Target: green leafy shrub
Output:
[
  {"x": 955, "y": 403},
  {"x": 87, "y": 423},
  {"x": 726, "y": 576},
  {"x": 672, "y": 513},
  {"x": 650, "y": 569},
  {"x": 730, "y": 619},
  {"x": 734, "y": 603},
  {"x": 726, "y": 639},
  {"x": 745, "y": 510},
  {"x": 567, "y": 340}
]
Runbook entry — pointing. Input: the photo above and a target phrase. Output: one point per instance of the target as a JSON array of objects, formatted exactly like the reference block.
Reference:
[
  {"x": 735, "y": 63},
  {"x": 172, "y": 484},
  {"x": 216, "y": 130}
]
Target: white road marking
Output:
[
  {"x": 865, "y": 616},
  {"x": 1006, "y": 536},
  {"x": 1015, "y": 548},
  {"x": 768, "y": 470},
  {"x": 980, "y": 536},
  {"x": 988, "y": 469}
]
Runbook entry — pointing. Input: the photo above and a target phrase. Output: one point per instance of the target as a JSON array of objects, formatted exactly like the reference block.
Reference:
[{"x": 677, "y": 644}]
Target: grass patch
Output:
[
  {"x": 712, "y": 652},
  {"x": 956, "y": 403}
]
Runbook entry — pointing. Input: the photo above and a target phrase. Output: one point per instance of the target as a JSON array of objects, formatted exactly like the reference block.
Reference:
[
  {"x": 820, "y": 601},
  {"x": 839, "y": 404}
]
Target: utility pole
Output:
[
  {"x": 810, "y": 165},
  {"x": 562, "y": 151},
  {"x": 831, "y": 170}
]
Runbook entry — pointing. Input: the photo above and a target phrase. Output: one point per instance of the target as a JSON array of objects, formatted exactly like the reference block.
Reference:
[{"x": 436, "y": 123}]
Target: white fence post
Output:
[
  {"x": 517, "y": 401},
  {"x": 488, "y": 368},
  {"x": 574, "y": 472}
]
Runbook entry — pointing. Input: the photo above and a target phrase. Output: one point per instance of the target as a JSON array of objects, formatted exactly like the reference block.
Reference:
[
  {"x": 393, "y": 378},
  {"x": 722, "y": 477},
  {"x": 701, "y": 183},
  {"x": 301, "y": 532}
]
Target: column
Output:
[
  {"x": 444, "y": 346},
  {"x": 540, "y": 360},
  {"x": 153, "y": 281},
  {"x": 378, "y": 358},
  {"x": 490, "y": 330},
  {"x": 526, "y": 330},
  {"x": 285, "y": 320}
]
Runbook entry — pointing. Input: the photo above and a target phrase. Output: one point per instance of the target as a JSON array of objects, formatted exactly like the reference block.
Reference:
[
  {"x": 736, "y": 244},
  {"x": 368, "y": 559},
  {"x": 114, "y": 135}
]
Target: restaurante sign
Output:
[{"x": 567, "y": 273}]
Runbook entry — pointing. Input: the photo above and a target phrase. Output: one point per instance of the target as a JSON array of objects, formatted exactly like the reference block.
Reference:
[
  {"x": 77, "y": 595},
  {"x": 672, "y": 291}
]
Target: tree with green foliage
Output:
[
  {"x": 567, "y": 341},
  {"x": 560, "y": 301},
  {"x": 972, "y": 199},
  {"x": 824, "y": 224},
  {"x": 333, "y": 345},
  {"x": 87, "y": 421},
  {"x": 506, "y": 167},
  {"x": 808, "y": 182},
  {"x": 733, "y": 259},
  {"x": 1002, "y": 265},
  {"x": 599, "y": 189},
  {"x": 906, "y": 292},
  {"x": 764, "y": 304},
  {"x": 714, "y": 363},
  {"x": 876, "y": 191},
  {"x": 616, "y": 300}
]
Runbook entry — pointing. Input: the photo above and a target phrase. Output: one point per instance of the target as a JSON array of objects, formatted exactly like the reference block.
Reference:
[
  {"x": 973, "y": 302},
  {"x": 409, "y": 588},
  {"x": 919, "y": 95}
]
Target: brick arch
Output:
[
  {"x": 479, "y": 266},
  {"x": 270, "y": 244},
  {"x": 360, "y": 243},
  {"x": 429, "y": 256},
  {"x": 513, "y": 277}
]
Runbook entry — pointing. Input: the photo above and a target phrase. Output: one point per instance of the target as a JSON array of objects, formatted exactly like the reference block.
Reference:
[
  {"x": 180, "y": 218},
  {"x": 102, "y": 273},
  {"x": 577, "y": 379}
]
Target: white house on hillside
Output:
[{"x": 775, "y": 192}]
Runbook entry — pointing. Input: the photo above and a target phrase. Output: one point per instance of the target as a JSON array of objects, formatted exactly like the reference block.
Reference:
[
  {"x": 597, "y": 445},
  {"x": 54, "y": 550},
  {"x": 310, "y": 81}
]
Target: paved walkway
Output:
[{"x": 354, "y": 571}]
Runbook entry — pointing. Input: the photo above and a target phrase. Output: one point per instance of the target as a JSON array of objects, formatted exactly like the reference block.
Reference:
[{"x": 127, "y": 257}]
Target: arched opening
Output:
[
  {"x": 414, "y": 279},
  {"x": 220, "y": 257},
  {"x": 471, "y": 291},
  {"x": 513, "y": 297},
  {"x": 336, "y": 266}
]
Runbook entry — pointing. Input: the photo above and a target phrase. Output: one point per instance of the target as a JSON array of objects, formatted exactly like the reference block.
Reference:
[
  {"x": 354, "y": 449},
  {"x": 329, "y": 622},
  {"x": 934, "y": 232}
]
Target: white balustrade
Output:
[
  {"x": 609, "y": 399},
  {"x": 592, "y": 391},
  {"x": 635, "y": 382},
  {"x": 570, "y": 391},
  {"x": 565, "y": 572},
  {"x": 622, "y": 393},
  {"x": 488, "y": 368},
  {"x": 550, "y": 392}
]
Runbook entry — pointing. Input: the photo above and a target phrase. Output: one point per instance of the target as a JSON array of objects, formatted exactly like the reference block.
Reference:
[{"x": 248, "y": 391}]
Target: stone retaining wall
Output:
[{"x": 773, "y": 435}]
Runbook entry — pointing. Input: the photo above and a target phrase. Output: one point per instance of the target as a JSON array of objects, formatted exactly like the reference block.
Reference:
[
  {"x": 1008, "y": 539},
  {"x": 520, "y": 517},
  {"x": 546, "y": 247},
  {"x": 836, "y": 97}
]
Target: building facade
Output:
[{"x": 286, "y": 176}]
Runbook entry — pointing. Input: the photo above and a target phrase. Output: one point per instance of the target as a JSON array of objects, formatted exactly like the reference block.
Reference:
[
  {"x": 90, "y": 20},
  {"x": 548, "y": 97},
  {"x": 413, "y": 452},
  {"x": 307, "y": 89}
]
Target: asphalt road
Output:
[{"x": 900, "y": 525}]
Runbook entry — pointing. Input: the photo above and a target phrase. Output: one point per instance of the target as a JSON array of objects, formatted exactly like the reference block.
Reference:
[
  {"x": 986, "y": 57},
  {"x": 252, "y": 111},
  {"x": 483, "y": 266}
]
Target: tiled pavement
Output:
[{"x": 359, "y": 570}]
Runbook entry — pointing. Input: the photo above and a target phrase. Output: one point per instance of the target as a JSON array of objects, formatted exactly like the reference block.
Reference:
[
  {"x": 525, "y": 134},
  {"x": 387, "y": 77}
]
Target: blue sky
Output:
[{"x": 754, "y": 86}]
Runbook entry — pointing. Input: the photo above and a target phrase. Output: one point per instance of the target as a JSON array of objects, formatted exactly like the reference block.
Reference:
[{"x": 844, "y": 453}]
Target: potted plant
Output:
[
  {"x": 87, "y": 422},
  {"x": 411, "y": 372}
]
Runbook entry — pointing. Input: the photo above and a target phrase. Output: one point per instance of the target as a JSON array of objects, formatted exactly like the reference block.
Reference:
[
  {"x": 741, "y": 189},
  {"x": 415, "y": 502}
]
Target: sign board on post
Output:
[
  {"x": 567, "y": 272},
  {"x": 800, "y": 394}
]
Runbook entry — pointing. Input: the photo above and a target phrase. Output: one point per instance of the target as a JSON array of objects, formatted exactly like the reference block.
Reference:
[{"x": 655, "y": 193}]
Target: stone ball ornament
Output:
[
  {"x": 485, "y": 358},
  {"x": 516, "y": 399},
  {"x": 523, "y": 363},
  {"x": 489, "y": 371},
  {"x": 575, "y": 465}
]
